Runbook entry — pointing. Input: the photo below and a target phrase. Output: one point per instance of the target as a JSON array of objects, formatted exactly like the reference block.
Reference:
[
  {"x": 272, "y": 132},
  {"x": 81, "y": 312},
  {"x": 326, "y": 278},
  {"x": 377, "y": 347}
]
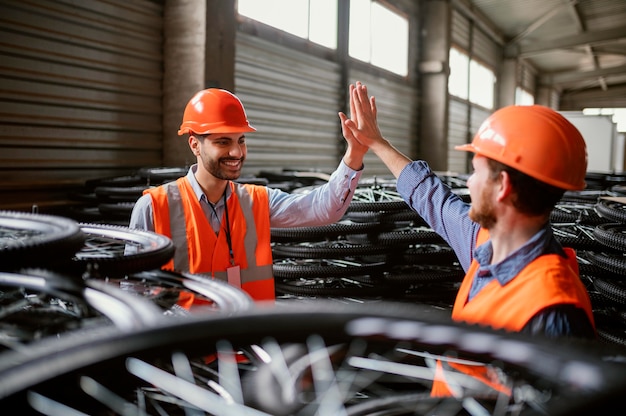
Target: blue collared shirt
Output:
[
  {"x": 504, "y": 271},
  {"x": 448, "y": 215}
]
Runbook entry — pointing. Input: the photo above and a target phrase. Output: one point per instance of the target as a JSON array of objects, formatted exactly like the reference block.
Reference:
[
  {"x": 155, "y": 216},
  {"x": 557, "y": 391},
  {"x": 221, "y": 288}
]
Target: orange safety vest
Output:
[
  {"x": 547, "y": 281},
  {"x": 178, "y": 215}
]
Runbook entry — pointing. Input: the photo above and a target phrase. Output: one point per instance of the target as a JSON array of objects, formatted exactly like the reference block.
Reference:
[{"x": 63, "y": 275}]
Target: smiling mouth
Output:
[{"x": 232, "y": 163}]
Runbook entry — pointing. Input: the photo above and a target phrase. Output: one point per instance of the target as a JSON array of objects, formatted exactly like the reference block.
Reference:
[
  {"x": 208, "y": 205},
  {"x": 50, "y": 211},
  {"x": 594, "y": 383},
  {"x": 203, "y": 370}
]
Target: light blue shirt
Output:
[{"x": 321, "y": 205}]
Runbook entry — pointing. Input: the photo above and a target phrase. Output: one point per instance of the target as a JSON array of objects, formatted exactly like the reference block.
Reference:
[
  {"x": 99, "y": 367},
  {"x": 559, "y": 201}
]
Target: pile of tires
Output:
[{"x": 59, "y": 276}]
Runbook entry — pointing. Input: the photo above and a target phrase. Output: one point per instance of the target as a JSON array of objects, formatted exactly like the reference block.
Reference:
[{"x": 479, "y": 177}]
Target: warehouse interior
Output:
[
  {"x": 98, "y": 92},
  {"x": 92, "y": 95}
]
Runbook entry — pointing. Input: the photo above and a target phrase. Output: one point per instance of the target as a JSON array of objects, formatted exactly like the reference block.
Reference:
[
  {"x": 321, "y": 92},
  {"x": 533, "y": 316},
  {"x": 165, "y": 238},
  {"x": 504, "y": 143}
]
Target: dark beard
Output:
[{"x": 215, "y": 169}]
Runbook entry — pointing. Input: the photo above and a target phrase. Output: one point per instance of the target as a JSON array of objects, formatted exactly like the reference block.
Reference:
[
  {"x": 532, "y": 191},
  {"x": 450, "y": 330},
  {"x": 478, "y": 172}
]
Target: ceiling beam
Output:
[
  {"x": 542, "y": 20},
  {"x": 573, "y": 41},
  {"x": 573, "y": 76}
]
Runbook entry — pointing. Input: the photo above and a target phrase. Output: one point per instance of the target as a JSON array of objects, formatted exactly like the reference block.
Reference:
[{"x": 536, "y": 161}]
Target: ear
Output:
[
  {"x": 505, "y": 188},
  {"x": 194, "y": 144}
]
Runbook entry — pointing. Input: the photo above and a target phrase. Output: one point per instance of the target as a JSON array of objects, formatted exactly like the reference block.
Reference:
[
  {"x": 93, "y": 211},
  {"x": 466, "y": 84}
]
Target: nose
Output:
[{"x": 237, "y": 150}]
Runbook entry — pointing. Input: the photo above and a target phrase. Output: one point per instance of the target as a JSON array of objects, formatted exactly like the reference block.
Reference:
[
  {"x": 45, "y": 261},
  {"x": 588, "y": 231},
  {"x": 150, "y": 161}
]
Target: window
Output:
[
  {"x": 470, "y": 79},
  {"x": 523, "y": 97},
  {"x": 315, "y": 20},
  {"x": 482, "y": 84},
  {"x": 458, "y": 81},
  {"x": 379, "y": 36}
]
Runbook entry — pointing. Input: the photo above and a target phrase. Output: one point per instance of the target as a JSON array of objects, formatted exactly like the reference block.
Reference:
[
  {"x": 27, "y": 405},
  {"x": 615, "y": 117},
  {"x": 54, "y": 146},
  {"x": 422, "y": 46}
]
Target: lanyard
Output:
[{"x": 227, "y": 230}]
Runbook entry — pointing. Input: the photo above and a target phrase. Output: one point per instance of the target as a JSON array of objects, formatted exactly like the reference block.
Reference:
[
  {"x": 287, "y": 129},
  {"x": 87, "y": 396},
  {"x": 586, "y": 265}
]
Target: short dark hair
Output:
[{"x": 533, "y": 197}]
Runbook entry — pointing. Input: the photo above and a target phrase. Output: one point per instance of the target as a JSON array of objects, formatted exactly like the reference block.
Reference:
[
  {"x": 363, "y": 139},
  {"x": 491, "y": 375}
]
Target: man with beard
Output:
[
  {"x": 518, "y": 276},
  {"x": 222, "y": 228}
]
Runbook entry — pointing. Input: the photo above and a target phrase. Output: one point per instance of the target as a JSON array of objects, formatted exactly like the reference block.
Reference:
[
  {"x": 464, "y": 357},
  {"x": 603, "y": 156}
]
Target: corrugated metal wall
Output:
[
  {"x": 457, "y": 134},
  {"x": 292, "y": 98},
  {"x": 397, "y": 117},
  {"x": 80, "y": 93}
]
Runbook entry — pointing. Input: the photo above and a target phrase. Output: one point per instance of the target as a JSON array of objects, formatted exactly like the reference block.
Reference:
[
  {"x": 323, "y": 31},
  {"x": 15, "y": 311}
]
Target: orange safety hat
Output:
[
  {"x": 535, "y": 140},
  {"x": 214, "y": 110}
]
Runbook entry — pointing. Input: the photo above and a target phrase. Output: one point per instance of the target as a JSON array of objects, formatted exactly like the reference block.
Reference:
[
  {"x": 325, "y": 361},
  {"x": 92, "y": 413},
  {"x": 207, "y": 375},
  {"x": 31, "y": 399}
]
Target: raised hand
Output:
[{"x": 363, "y": 124}]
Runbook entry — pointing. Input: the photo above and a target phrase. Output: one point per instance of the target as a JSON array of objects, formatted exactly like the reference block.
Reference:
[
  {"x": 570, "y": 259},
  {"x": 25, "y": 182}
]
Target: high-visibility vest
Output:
[
  {"x": 548, "y": 280},
  {"x": 178, "y": 215}
]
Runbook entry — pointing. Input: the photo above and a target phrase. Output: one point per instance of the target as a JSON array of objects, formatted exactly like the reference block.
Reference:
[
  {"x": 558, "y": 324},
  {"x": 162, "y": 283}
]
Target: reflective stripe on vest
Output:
[{"x": 178, "y": 225}]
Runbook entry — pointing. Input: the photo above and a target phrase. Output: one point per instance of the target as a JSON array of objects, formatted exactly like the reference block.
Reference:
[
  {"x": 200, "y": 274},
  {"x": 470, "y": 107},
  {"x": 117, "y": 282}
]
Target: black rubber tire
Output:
[
  {"x": 399, "y": 236},
  {"x": 424, "y": 273},
  {"x": 611, "y": 210},
  {"x": 115, "y": 181},
  {"x": 323, "y": 232},
  {"x": 576, "y": 236},
  {"x": 611, "y": 235},
  {"x": 565, "y": 212},
  {"x": 428, "y": 253},
  {"x": 342, "y": 287},
  {"x": 612, "y": 289},
  {"x": 36, "y": 304},
  {"x": 566, "y": 378},
  {"x": 158, "y": 175},
  {"x": 37, "y": 240},
  {"x": 297, "y": 267},
  {"x": 328, "y": 249},
  {"x": 120, "y": 193},
  {"x": 165, "y": 289},
  {"x": 614, "y": 263},
  {"x": 105, "y": 254}
]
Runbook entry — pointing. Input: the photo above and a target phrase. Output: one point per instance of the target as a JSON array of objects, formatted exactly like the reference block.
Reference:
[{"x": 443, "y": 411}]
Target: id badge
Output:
[{"x": 234, "y": 276}]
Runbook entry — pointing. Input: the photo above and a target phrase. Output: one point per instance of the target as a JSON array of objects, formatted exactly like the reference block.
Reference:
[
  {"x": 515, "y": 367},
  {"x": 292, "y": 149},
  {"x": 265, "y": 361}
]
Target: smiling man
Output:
[{"x": 220, "y": 227}]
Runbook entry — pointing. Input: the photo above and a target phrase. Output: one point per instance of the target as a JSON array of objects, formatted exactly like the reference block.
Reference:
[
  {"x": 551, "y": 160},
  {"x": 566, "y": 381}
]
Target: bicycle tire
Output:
[
  {"x": 36, "y": 240},
  {"x": 167, "y": 288},
  {"x": 400, "y": 236},
  {"x": 299, "y": 267},
  {"x": 612, "y": 210},
  {"x": 328, "y": 249},
  {"x": 38, "y": 303},
  {"x": 115, "y": 250},
  {"x": 369, "y": 343},
  {"x": 343, "y": 287},
  {"x": 322, "y": 232},
  {"x": 611, "y": 235},
  {"x": 614, "y": 263},
  {"x": 612, "y": 289}
]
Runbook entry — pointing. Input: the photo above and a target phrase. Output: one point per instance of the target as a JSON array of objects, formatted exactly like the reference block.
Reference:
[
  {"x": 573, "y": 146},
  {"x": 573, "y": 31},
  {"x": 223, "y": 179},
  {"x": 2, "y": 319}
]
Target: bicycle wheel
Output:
[
  {"x": 36, "y": 240},
  {"x": 112, "y": 250},
  {"x": 184, "y": 293},
  {"x": 36, "y": 304},
  {"x": 327, "y": 360}
]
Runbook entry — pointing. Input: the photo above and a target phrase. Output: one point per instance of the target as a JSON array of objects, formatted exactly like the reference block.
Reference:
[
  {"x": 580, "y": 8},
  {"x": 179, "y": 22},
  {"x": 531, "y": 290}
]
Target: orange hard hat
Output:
[
  {"x": 214, "y": 110},
  {"x": 535, "y": 140}
]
